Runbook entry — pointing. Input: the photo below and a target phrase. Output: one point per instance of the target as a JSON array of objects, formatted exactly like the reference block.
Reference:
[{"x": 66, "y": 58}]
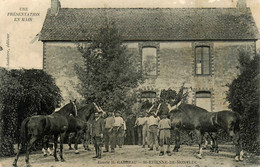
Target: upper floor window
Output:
[
  {"x": 149, "y": 61},
  {"x": 202, "y": 60}
]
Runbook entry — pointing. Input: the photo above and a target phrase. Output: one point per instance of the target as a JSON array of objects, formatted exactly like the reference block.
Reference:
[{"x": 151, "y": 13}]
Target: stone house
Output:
[{"x": 197, "y": 45}]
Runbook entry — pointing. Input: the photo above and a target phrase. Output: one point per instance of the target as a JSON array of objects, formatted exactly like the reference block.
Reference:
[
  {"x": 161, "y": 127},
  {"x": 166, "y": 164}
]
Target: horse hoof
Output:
[
  {"x": 63, "y": 160},
  {"x": 77, "y": 152},
  {"x": 56, "y": 159},
  {"x": 237, "y": 158},
  {"x": 198, "y": 156},
  {"x": 14, "y": 165},
  {"x": 45, "y": 155}
]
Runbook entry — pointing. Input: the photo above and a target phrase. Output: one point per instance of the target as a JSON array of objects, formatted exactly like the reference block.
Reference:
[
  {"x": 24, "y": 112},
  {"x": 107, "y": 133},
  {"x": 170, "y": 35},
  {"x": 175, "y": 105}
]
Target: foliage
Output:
[
  {"x": 110, "y": 75},
  {"x": 243, "y": 95},
  {"x": 23, "y": 93}
]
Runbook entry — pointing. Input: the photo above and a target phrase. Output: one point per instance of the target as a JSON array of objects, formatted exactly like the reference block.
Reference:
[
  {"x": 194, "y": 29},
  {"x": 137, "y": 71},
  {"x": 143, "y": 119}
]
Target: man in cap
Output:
[
  {"x": 97, "y": 132},
  {"x": 153, "y": 122},
  {"x": 164, "y": 134},
  {"x": 108, "y": 133},
  {"x": 118, "y": 129}
]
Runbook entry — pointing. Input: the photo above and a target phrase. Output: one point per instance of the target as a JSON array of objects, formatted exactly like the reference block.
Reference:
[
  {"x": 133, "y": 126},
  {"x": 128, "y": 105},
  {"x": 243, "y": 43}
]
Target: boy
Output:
[{"x": 164, "y": 134}]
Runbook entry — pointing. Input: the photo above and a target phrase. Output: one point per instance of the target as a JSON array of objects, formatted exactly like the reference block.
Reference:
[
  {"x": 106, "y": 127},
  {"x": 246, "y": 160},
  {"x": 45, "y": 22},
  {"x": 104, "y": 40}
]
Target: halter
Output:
[{"x": 75, "y": 108}]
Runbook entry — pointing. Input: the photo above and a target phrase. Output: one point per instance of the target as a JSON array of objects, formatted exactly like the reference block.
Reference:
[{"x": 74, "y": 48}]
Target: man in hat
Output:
[
  {"x": 118, "y": 129},
  {"x": 97, "y": 132},
  {"x": 164, "y": 134},
  {"x": 108, "y": 133},
  {"x": 153, "y": 122}
]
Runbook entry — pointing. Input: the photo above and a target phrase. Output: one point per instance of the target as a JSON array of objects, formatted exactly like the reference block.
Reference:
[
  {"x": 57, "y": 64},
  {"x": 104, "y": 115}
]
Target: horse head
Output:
[
  {"x": 74, "y": 110},
  {"x": 68, "y": 109},
  {"x": 171, "y": 108}
]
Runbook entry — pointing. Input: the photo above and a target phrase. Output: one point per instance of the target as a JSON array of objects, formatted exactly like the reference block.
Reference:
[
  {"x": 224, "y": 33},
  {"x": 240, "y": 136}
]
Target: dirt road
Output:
[{"x": 132, "y": 156}]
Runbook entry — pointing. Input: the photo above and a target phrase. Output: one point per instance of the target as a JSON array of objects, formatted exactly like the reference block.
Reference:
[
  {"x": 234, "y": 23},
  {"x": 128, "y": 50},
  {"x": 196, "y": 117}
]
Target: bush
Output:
[
  {"x": 243, "y": 95},
  {"x": 23, "y": 93}
]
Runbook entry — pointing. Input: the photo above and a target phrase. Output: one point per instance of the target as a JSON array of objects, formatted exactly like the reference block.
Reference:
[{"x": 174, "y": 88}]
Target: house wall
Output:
[{"x": 175, "y": 61}]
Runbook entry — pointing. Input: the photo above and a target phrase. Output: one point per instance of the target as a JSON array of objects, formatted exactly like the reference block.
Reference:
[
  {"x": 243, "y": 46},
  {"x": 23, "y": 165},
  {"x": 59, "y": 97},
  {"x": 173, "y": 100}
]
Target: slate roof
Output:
[{"x": 136, "y": 24}]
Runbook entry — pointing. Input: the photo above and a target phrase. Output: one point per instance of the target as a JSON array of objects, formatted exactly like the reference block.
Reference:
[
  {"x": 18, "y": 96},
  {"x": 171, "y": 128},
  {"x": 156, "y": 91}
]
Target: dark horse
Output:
[
  {"x": 38, "y": 126},
  {"x": 192, "y": 118},
  {"x": 80, "y": 125}
]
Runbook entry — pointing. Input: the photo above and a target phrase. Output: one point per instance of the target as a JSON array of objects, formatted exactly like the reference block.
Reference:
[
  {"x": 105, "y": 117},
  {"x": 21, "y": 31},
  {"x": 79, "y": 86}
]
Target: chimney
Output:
[
  {"x": 241, "y": 5},
  {"x": 55, "y": 7}
]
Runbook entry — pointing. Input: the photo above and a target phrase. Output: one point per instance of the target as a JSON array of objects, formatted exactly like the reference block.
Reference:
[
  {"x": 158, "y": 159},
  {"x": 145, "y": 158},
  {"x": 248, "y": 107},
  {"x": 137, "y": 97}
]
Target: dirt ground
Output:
[{"x": 131, "y": 156}]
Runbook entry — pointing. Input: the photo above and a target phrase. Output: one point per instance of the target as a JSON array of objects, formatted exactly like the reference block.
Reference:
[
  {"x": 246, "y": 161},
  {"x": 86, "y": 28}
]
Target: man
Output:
[
  {"x": 87, "y": 136},
  {"x": 145, "y": 131},
  {"x": 139, "y": 124},
  {"x": 164, "y": 134},
  {"x": 108, "y": 133},
  {"x": 118, "y": 129},
  {"x": 97, "y": 132},
  {"x": 153, "y": 122}
]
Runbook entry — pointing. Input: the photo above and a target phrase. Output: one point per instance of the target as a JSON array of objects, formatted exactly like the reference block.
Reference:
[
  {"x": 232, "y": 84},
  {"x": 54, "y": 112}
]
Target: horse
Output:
[
  {"x": 38, "y": 126},
  {"x": 81, "y": 124},
  {"x": 79, "y": 127},
  {"x": 193, "y": 118}
]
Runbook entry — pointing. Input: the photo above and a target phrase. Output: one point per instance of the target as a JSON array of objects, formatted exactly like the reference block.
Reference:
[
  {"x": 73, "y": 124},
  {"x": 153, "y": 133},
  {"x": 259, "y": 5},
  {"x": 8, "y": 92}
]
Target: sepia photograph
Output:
[{"x": 125, "y": 83}]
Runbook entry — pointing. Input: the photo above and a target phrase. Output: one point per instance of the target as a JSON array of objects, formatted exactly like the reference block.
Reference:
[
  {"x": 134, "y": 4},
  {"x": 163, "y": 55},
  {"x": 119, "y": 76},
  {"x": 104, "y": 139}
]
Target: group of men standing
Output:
[
  {"x": 110, "y": 129},
  {"x": 150, "y": 127}
]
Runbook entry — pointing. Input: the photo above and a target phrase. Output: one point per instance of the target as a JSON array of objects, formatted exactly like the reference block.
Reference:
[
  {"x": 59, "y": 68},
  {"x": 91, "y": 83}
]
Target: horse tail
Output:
[{"x": 24, "y": 131}]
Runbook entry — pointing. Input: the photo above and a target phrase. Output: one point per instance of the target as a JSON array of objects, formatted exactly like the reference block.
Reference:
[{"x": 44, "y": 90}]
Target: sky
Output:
[{"x": 17, "y": 36}]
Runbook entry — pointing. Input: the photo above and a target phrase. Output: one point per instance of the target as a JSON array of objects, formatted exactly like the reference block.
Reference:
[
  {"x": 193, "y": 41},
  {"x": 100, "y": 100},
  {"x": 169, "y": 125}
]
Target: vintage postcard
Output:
[{"x": 129, "y": 83}]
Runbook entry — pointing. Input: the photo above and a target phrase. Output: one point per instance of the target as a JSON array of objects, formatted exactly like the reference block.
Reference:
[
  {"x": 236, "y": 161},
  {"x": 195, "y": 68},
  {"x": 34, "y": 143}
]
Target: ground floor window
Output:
[
  {"x": 148, "y": 95},
  {"x": 203, "y": 100}
]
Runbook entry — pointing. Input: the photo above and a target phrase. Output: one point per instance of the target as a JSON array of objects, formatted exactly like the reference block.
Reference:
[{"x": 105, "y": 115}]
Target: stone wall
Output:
[{"x": 175, "y": 66}]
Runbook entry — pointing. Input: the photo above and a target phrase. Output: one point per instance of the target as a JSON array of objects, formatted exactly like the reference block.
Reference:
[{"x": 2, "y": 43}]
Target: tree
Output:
[
  {"x": 23, "y": 93},
  {"x": 244, "y": 98},
  {"x": 110, "y": 74}
]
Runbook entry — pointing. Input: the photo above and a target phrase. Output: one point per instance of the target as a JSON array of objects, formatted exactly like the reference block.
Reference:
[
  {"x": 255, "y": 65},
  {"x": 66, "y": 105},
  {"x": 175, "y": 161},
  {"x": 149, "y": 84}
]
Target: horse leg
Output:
[
  {"x": 28, "y": 147},
  {"x": 45, "y": 143},
  {"x": 55, "y": 147},
  {"x": 17, "y": 155},
  {"x": 78, "y": 136},
  {"x": 62, "y": 136},
  {"x": 70, "y": 137},
  {"x": 238, "y": 145},
  {"x": 200, "y": 138},
  {"x": 214, "y": 139},
  {"x": 177, "y": 140}
]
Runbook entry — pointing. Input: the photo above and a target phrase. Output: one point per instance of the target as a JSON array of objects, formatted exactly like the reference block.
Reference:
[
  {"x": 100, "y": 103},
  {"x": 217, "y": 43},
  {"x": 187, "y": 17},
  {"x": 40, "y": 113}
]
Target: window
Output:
[
  {"x": 203, "y": 100},
  {"x": 149, "y": 61},
  {"x": 202, "y": 60},
  {"x": 148, "y": 95}
]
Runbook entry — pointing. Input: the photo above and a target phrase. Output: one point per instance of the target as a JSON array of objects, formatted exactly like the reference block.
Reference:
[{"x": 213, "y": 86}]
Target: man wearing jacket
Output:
[{"x": 97, "y": 132}]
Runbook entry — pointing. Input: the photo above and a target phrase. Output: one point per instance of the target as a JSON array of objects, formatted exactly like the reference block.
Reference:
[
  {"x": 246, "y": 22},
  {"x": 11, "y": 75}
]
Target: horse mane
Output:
[
  {"x": 86, "y": 111},
  {"x": 65, "y": 108}
]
